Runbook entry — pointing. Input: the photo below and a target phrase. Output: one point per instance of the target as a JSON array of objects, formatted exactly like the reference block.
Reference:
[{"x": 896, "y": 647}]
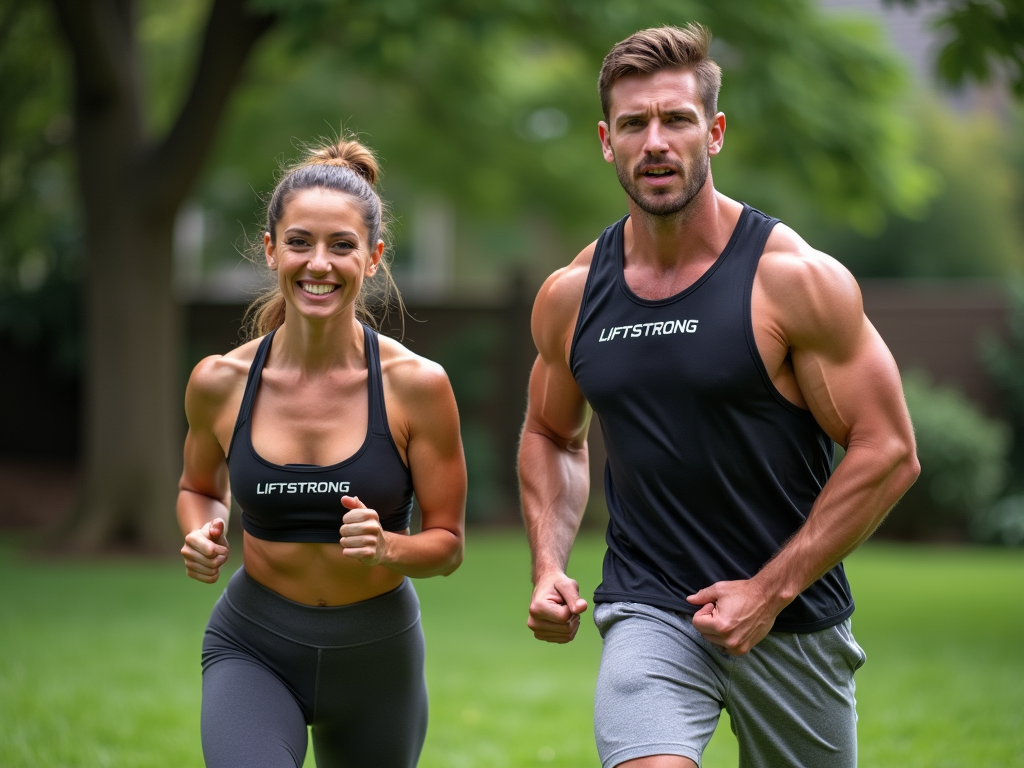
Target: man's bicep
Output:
[
  {"x": 853, "y": 389},
  {"x": 556, "y": 406}
]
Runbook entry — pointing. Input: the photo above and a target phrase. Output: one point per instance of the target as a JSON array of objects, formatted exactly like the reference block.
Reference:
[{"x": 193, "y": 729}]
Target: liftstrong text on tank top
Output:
[
  {"x": 665, "y": 328},
  {"x": 303, "y": 487}
]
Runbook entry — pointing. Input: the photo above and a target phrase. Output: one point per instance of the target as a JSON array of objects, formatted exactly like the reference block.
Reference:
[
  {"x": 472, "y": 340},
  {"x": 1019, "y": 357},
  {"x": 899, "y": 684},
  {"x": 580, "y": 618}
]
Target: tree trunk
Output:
[
  {"x": 131, "y": 188},
  {"x": 133, "y": 388}
]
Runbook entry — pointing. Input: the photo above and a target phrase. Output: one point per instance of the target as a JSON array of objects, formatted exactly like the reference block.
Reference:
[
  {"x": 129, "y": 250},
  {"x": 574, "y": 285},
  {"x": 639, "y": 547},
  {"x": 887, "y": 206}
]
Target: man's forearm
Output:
[
  {"x": 865, "y": 486},
  {"x": 554, "y": 481}
]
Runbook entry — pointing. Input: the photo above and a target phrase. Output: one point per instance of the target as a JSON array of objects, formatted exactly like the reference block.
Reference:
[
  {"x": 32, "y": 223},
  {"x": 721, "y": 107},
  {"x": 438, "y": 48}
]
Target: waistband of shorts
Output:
[{"x": 367, "y": 621}]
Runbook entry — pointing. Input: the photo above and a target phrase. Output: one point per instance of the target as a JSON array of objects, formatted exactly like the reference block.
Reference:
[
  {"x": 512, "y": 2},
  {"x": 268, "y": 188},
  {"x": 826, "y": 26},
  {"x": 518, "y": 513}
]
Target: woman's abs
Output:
[{"x": 315, "y": 574}]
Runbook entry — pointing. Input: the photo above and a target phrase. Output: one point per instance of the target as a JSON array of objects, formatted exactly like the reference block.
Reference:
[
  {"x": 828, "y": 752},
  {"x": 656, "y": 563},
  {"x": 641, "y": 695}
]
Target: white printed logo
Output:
[
  {"x": 649, "y": 329},
  {"x": 303, "y": 487}
]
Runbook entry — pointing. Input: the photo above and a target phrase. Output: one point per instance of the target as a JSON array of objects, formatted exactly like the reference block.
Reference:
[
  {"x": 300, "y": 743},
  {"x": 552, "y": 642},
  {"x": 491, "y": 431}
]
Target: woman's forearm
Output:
[
  {"x": 197, "y": 509},
  {"x": 433, "y": 552}
]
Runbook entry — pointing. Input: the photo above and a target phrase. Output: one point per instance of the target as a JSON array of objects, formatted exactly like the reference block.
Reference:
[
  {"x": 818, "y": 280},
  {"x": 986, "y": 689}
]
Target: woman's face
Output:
[{"x": 322, "y": 253}]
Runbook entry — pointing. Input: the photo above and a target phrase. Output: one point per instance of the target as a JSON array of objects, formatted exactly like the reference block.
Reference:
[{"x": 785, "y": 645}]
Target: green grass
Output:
[{"x": 99, "y": 662}]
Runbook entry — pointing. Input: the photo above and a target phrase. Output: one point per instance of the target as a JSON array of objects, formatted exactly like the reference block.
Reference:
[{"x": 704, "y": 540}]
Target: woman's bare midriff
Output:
[{"x": 315, "y": 574}]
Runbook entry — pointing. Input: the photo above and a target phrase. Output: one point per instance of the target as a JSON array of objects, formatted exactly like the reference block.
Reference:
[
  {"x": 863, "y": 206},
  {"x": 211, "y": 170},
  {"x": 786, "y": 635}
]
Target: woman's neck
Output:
[{"x": 315, "y": 347}]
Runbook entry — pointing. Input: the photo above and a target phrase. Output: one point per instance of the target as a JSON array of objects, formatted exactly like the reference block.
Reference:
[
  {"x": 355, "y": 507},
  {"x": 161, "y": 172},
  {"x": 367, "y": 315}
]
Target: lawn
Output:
[{"x": 100, "y": 662}]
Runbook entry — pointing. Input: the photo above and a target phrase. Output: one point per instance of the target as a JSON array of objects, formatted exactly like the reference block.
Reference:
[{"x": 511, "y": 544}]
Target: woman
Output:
[{"x": 324, "y": 431}]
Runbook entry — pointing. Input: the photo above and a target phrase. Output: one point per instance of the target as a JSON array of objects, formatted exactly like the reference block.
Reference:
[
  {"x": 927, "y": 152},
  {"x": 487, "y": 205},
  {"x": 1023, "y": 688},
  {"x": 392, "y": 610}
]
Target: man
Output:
[{"x": 723, "y": 356}]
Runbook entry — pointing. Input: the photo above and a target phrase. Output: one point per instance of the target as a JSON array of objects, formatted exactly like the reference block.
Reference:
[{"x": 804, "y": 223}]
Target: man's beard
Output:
[{"x": 659, "y": 203}]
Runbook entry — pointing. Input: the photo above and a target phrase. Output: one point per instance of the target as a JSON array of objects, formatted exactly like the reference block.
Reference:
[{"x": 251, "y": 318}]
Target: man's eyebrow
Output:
[
  {"x": 671, "y": 111},
  {"x": 629, "y": 116}
]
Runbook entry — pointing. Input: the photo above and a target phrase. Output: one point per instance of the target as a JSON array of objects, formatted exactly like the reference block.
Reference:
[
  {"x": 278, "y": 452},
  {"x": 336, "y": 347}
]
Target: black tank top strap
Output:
[
  {"x": 375, "y": 380},
  {"x": 753, "y": 239},
  {"x": 602, "y": 271},
  {"x": 251, "y": 385}
]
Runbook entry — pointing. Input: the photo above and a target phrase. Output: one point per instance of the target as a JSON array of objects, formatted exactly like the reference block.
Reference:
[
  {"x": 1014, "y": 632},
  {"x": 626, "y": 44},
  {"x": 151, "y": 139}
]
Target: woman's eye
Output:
[{"x": 296, "y": 242}]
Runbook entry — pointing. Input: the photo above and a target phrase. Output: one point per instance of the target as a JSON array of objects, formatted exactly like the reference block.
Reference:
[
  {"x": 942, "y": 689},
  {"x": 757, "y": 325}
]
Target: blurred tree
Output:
[
  {"x": 38, "y": 216},
  {"x": 974, "y": 225},
  {"x": 985, "y": 40},
  {"x": 817, "y": 97}
]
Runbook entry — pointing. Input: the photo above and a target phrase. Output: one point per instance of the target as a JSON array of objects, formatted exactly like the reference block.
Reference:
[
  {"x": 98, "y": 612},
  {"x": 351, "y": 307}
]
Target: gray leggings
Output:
[{"x": 272, "y": 666}]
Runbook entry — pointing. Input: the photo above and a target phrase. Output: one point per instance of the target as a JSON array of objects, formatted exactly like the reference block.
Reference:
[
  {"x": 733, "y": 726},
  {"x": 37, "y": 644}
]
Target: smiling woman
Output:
[
  {"x": 314, "y": 172},
  {"x": 324, "y": 431}
]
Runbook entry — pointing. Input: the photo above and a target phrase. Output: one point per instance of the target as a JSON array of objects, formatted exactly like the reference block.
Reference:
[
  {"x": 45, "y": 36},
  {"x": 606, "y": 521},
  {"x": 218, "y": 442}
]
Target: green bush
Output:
[
  {"x": 1003, "y": 356},
  {"x": 963, "y": 458},
  {"x": 1002, "y": 523}
]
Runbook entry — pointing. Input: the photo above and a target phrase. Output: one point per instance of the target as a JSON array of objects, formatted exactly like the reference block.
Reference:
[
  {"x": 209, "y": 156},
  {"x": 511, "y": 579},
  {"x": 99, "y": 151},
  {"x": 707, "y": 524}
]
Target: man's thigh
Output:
[
  {"x": 659, "y": 688},
  {"x": 791, "y": 700}
]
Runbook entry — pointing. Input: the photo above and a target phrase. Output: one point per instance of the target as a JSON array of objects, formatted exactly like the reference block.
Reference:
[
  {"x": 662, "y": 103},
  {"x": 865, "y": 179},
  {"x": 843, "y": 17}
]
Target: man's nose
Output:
[{"x": 654, "y": 142}]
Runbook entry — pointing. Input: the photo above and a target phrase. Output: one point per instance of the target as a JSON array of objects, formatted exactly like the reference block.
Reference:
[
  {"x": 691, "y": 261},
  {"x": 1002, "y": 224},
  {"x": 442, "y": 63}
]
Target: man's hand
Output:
[
  {"x": 362, "y": 538},
  {"x": 735, "y": 615},
  {"x": 205, "y": 551},
  {"x": 555, "y": 609}
]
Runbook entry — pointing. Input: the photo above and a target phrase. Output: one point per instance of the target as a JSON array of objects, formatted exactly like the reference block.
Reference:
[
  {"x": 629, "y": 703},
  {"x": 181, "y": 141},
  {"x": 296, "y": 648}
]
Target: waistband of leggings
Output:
[{"x": 328, "y": 626}]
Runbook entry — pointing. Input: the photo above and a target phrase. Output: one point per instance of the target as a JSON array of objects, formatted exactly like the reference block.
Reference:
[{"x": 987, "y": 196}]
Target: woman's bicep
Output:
[
  {"x": 436, "y": 459},
  {"x": 205, "y": 467}
]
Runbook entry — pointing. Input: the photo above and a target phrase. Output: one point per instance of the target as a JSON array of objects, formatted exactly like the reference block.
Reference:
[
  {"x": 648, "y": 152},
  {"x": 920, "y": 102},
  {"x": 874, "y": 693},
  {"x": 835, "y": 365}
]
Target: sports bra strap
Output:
[
  {"x": 378, "y": 415},
  {"x": 251, "y": 383}
]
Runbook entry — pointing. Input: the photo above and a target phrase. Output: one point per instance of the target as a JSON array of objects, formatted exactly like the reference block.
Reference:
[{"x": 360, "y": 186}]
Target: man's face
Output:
[{"x": 660, "y": 139}]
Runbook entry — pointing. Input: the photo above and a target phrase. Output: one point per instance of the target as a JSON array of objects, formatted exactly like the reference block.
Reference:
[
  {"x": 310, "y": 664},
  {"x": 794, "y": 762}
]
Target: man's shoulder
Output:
[
  {"x": 814, "y": 290},
  {"x": 558, "y": 301},
  {"x": 792, "y": 270}
]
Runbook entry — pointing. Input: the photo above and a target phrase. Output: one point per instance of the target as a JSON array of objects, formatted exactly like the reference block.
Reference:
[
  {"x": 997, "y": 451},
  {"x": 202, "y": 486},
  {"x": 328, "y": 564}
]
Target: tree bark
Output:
[{"x": 131, "y": 187}]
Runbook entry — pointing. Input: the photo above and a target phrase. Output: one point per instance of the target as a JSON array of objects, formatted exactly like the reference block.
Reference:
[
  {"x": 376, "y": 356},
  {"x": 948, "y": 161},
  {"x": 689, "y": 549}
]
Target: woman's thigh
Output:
[
  {"x": 250, "y": 719},
  {"x": 371, "y": 704}
]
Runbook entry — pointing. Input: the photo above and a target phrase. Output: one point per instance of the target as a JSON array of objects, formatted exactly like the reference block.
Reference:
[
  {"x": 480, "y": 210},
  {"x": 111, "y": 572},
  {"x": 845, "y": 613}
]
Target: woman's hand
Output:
[
  {"x": 362, "y": 538},
  {"x": 206, "y": 550}
]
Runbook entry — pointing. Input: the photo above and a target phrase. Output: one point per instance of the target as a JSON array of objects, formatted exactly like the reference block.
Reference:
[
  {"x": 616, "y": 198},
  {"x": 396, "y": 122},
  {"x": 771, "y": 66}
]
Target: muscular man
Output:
[{"x": 723, "y": 356}]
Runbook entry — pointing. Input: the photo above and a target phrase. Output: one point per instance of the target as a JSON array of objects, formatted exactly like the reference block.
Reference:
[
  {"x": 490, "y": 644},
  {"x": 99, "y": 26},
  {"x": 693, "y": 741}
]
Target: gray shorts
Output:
[{"x": 662, "y": 686}]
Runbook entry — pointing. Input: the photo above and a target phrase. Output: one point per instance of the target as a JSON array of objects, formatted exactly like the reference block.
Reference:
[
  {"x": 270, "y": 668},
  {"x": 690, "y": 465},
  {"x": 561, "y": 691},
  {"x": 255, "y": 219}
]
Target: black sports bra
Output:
[{"x": 302, "y": 502}]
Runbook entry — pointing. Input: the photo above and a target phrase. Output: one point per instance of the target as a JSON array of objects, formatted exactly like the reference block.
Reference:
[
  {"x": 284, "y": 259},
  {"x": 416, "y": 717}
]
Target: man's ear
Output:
[
  {"x": 604, "y": 133},
  {"x": 716, "y": 134}
]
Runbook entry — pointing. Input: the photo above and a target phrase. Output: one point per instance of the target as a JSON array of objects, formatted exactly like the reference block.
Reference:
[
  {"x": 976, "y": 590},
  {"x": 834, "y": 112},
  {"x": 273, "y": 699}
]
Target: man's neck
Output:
[{"x": 697, "y": 234}]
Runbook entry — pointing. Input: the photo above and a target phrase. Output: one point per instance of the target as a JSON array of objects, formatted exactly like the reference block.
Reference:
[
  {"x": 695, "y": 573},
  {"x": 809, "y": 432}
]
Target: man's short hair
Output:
[{"x": 652, "y": 50}]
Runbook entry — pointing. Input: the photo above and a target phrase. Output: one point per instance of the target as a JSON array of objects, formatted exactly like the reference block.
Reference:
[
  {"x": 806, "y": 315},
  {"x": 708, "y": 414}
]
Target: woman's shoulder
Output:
[
  {"x": 217, "y": 379},
  {"x": 412, "y": 377}
]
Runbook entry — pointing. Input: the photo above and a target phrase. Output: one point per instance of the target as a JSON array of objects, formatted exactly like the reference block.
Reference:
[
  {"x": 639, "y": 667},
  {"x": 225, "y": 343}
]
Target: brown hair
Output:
[
  {"x": 342, "y": 166},
  {"x": 657, "y": 48}
]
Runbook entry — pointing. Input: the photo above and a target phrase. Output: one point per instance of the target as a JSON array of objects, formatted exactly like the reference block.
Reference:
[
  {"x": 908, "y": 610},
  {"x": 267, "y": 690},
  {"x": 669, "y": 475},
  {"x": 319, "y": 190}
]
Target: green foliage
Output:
[
  {"x": 985, "y": 41},
  {"x": 1002, "y": 523},
  {"x": 963, "y": 462},
  {"x": 112, "y": 677},
  {"x": 973, "y": 227},
  {"x": 494, "y": 104},
  {"x": 39, "y": 225},
  {"x": 467, "y": 359},
  {"x": 1004, "y": 360},
  {"x": 489, "y": 104}
]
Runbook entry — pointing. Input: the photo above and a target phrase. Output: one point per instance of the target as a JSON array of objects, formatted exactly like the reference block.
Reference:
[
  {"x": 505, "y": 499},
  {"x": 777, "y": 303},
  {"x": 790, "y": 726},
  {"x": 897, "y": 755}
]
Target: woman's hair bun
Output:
[{"x": 347, "y": 153}]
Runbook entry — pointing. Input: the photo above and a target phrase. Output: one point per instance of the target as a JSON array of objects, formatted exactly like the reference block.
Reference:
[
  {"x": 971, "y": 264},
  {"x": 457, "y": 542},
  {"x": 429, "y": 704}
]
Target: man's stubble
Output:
[{"x": 656, "y": 202}]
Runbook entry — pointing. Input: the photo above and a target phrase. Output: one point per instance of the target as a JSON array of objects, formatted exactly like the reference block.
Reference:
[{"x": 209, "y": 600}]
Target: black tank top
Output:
[
  {"x": 302, "y": 502},
  {"x": 710, "y": 469}
]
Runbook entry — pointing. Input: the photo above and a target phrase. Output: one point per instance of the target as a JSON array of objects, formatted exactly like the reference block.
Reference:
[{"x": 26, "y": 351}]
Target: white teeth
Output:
[{"x": 317, "y": 290}]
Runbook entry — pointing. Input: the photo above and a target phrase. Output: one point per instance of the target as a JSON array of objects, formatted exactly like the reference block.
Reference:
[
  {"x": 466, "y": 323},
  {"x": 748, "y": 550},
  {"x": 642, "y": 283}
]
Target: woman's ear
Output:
[
  {"x": 375, "y": 256},
  {"x": 269, "y": 250}
]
